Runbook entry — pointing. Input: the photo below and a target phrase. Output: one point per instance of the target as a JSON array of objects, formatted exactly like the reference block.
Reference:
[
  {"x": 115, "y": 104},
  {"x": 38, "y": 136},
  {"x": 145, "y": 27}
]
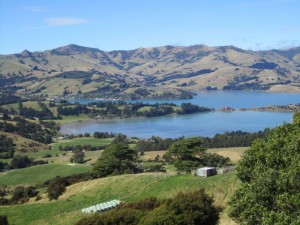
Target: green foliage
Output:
[
  {"x": 7, "y": 147},
  {"x": 116, "y": 159},
  {"x": 270, "y": 173},
  {"x": 56, "y": 188},
  {"x": 186, "y": 149},
  {"x": 188, "y": 154},
  {"x": 39, "y": 132},
  {"x": 78, "y": 157},
  {"x": 131, "y": 188},
  {"x": 193, "y": 208},
  {"x": 20, "y": 162},
  {"x": 187, "y": 108},
  {"x": 22, "y": 194},
  {"x": 233, "y": 139},
  {"x": 153, "y": 144}
]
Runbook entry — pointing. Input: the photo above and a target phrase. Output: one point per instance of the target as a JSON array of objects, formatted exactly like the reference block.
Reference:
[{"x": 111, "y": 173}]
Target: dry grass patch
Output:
[
  {"x": 235, "y": 154},
  {"x": 152, "y": 154}
]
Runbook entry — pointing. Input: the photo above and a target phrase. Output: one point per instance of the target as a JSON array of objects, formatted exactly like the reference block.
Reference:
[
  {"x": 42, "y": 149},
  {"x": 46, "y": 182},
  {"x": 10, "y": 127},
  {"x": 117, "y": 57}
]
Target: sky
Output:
[{"x": 38, "y": 25}]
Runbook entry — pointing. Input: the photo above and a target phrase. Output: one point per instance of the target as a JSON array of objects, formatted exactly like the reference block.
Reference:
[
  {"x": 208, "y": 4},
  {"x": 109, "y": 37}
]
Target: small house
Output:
[{"x": 206, "y": 171}]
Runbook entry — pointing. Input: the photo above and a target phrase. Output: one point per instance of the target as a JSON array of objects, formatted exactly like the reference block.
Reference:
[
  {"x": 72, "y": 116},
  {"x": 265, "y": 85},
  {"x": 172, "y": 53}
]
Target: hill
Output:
[
  {"x": 165, "y": 71},
  {"x": 128, "y": 188}
]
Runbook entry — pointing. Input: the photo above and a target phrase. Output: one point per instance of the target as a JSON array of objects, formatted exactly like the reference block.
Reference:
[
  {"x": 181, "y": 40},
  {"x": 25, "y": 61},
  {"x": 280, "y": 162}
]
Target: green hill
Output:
[{"x": 67, "y": 209}]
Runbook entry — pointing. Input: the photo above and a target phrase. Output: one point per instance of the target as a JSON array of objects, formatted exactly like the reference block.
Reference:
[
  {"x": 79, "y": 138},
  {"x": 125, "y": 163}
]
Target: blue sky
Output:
[{"x": 37, "y": 25}]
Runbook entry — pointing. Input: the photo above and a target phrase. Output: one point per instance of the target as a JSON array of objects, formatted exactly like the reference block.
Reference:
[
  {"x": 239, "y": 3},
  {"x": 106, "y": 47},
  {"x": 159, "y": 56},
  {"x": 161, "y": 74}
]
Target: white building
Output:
[{"x": 206, "y": 171}]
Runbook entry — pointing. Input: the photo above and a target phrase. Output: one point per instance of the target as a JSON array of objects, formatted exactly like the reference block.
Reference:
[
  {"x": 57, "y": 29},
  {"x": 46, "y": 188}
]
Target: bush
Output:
[
  {"x": 3, "y": 220},
  {"x": 22, "y": 194},
  {"x": 56, "y": 188},
  {"x": 185, "y": 208}
]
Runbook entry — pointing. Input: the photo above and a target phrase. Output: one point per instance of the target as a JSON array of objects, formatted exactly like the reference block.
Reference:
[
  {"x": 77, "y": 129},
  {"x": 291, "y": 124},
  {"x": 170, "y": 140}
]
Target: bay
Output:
[
  {"x": 220, "y": 99},
  {"x": 199, "y": 124}
]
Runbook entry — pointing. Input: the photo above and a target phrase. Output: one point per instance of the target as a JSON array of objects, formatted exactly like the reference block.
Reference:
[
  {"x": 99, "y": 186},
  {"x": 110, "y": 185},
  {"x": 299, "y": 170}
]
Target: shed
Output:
[{"x": 206, "y": 171}]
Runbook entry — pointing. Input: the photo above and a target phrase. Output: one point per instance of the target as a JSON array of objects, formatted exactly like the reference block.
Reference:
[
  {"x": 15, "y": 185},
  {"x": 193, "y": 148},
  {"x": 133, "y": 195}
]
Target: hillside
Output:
[
  {"x": 128, "y": 188},
  {"x": 149, "y": 72}
]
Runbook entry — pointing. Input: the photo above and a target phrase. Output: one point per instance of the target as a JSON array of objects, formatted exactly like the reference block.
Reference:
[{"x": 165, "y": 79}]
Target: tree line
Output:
[
  {"x": 38, "y": 132},
  {"x": 228, "y": 139}
]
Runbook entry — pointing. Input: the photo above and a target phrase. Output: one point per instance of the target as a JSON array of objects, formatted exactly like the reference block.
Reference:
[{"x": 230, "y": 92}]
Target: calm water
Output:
[
  {"x": 234, "y": 99},
  {"x": 200, "y": 124}
]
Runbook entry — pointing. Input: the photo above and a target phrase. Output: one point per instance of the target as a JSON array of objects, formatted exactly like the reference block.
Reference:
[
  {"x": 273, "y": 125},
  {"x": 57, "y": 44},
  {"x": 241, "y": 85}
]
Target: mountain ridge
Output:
[{"x": 196, "y": 67}]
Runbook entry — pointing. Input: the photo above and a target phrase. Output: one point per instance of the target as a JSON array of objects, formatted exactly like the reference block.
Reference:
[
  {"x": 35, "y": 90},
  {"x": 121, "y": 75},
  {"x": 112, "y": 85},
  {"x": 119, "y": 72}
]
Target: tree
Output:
[
  {"x": 270, "y": 172},
  {"x": 22, "y": 194},
  {"x": 184, "y": 152},
  {"x": 20, "y": 162},
  {"x": 5, "y": 116},
  {"x": 78, "y": 157},
  {"x": 116, "y": 159}
]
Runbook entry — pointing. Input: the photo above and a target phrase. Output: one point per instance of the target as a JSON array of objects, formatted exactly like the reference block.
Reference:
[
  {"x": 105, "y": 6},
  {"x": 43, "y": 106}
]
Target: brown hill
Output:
[{"x": 73, "y": 69}]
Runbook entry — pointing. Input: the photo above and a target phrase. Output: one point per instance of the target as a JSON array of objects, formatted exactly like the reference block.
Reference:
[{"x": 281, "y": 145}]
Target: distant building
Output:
[{"x": 206, "y": 171}]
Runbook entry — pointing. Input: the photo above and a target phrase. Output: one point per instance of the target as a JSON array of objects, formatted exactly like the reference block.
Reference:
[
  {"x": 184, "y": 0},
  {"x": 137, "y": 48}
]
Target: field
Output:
[
  {"x": 67, "y": 209},
  {"x": 40, "y": 173},
  {"x": 72, "y": 119},
  {"x": 82, "y": 141}
]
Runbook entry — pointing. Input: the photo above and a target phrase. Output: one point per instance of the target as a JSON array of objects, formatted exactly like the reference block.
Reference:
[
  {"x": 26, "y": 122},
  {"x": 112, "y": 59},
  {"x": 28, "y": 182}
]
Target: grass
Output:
[
  {"x": 82, "y": 141},
  {"x": 145, "y": 108},
  {"x": 129, "y": 188},
  {"x": 32, "y": 104},
  {"x": 39, "y": 154},
  {"x": 72, "y": 119},
  {"x": 40, "y": 173},
  {"x": 67, "y": 210}
]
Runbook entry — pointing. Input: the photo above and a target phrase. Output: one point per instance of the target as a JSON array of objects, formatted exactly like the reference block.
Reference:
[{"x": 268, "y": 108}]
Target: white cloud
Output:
[
  {"x": 65, "y": 21},
  {"x": 35, "y": 9}
]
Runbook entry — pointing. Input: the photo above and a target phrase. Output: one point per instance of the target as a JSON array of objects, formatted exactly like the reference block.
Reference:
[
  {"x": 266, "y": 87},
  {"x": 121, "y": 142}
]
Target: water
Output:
[
  {"x": 200, "y": 124},
  {"x": 233, "y": 99}
]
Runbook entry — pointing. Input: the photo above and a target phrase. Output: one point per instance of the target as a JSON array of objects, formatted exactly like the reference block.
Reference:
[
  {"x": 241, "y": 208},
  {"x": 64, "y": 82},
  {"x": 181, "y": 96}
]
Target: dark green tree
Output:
[
  {"x": 19, "y": 162},
  {"x": 270, "y": 175},
  {"x": 185, "y": 153},
  {"x": 78, "y": 157},
  {"x": 116, "y": 159}
]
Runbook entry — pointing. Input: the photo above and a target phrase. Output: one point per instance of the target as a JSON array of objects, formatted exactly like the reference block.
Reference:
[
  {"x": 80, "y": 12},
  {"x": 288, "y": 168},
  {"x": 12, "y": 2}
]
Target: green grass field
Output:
[
  {"x": 82, "y": 141},
  {"x": 40, "y": 173},
  {"x": 72, "y": 119},
  {"x": 67, "y": 209}
]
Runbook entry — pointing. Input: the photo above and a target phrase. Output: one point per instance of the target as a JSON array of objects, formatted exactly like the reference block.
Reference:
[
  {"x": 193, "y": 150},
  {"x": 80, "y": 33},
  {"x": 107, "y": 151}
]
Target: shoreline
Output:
[{"x": 290, "y": 108}]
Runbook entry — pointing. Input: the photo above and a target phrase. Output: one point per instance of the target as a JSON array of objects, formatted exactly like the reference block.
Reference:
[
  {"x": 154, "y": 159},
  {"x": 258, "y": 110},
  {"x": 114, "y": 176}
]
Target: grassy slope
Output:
[
  {"x": 39, "y": 174},
  {"x": 82, "y": 141},
  {"x": 128, "y": 188}
]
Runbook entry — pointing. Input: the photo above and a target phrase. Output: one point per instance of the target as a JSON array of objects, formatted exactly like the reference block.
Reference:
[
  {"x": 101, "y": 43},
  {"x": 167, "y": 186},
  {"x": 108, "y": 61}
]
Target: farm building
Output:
[{"x": 206, "y": 171}]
